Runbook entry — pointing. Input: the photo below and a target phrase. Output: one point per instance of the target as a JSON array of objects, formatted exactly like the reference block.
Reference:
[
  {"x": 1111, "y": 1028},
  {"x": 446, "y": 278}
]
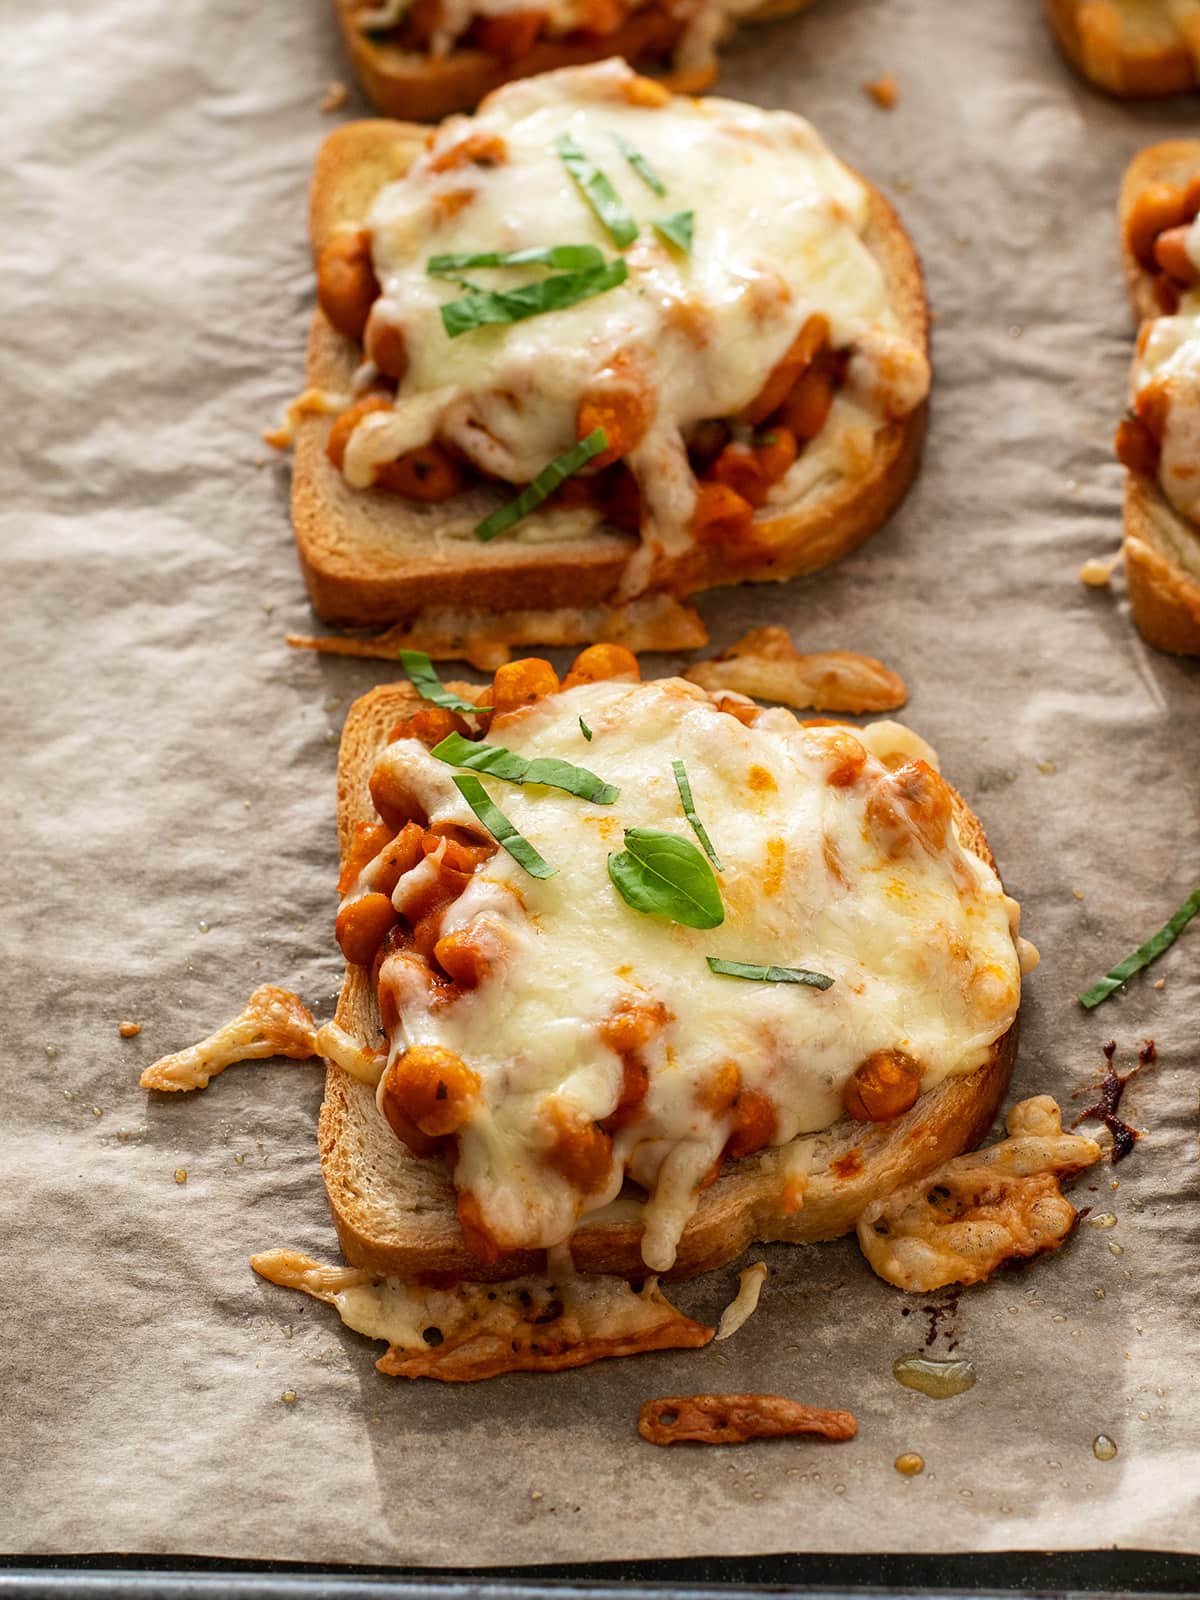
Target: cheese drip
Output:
[
  {"x": 778, "y": 237},
  {"x": 918, "y": 937}
]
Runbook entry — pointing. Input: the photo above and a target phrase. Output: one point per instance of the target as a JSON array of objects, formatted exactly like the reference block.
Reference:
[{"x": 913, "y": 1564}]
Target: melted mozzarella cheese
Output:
[
  {"x": 1169, "y": 357},
  {"x": 919, "y": 943},
  {"x": 778, "y": 237}
]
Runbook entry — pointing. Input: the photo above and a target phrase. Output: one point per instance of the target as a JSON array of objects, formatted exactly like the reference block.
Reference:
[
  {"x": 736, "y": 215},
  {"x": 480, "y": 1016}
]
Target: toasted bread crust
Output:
[
  {"x": 396, "y": 1214},
  {"x": 1164, "y": 595},
  {"x": 1140, "y": 61},
  {"x": 408, "y": 84},
  {"x": 361, "y": 562},
  {"x": 1161, "y": 548}
]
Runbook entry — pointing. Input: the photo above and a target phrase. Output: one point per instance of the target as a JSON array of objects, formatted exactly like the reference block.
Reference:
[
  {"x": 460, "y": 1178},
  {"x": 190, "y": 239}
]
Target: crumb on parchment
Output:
[
  {"x": 884, "y": 90},
  {"x": 335, "y": 97}
]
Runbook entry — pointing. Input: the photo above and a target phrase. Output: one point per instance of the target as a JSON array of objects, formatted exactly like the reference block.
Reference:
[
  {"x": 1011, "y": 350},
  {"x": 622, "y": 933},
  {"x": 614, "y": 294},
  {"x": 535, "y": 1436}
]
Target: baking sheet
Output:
[{"x": 170, "y": 842}]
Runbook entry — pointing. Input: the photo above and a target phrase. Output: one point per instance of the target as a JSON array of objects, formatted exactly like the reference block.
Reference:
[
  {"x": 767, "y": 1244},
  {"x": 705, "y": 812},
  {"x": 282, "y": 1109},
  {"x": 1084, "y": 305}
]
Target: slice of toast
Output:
[
  {"x": 1161, "y": 548},
  {"x": 1132, "y": 48},
  {"x": 395, "y": 1214},
  {"x": 371, "y": 558},
  {"x": 409, "y": 84}
]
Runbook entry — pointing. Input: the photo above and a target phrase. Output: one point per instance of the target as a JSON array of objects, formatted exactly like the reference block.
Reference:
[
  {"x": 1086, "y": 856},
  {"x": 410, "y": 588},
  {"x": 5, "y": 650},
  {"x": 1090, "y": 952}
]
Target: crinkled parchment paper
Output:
[{"x": 170, "y": 843}]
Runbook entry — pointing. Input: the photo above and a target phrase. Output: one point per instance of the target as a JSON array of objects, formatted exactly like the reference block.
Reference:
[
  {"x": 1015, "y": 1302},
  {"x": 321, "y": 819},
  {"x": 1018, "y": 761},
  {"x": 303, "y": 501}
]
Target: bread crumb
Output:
[
  {"x": 129, "y": 1030},
  {"x": 1097, "y": 574},
  {"x": 288, "y": 1397},
  {"x": 335, "y": 97},
  {"x": 1047, "y": 767},
  {"x": 1078, "y": 893},
  {"x": 1160, "y": 983},
  {"x": 885, "y": 91},
  {"x": 180, "y": 1174},
  {"x": 535, "y": 1494},
  {"x": 96, "y": 1111}
]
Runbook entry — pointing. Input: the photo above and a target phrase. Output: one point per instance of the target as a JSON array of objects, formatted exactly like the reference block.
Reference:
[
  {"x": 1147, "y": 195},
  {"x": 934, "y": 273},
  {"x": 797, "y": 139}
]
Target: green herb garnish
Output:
[
  {"x": 501, "y": 829},
  {"x": 563, "y": 257},
  {"x": 664, "y": 874},
  {"x": 547, "y": 480},
  {"x": 489, "y": 307},
  {"x": 747, "y": 969},
  {"x": 640, "y": 165},
  {"x": 598, "y": 191},
  {"x": 585, "y": 730},
  {"x": 689, "y": 811},
  {"x": 1144, "y": 954},
  {"x": 676, "y": 230},
  {"x": 498, "y": 762},
  {"x": 427, "y": 683}
]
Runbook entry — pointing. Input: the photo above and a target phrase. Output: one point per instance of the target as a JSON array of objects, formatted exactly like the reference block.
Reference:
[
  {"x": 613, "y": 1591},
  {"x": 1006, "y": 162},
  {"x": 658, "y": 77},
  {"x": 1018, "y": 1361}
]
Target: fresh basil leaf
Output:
[
  {"x": 563, "y": 257},
  {"x": 689, "y": 811},
  {"x": 1144, "y": 954},
  {"x": 495, "y": 307},
  {"x": 585, "y": 730},
  {"x": 664, "y": 874},
  {"x": 498, "y": 762},
  {"x": 747, "y": 969},
  {"x": 641, "y": 166},
  {"x": 544, "y": 485},
  {"x": 427, "y": 683},
  {"x": 598, "y": 191},
  {"x": 501, "y": 829},
  {"x": 676, "y": 230}
]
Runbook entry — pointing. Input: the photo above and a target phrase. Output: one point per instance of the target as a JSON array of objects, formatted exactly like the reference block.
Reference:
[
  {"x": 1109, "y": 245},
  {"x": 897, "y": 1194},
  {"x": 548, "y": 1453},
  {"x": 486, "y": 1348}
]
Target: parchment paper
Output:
[{"x": 169, "y": 839}]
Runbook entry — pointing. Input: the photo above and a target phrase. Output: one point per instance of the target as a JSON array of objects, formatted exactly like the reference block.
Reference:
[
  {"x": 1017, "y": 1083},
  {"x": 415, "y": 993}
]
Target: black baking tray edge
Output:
[{"x": 991, "y": 1576}]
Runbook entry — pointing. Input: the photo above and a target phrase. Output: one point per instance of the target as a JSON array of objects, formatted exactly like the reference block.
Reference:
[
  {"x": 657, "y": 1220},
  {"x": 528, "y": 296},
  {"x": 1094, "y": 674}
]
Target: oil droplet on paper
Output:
[
  {"x": 909, "y": 1464},
  {"x": 1103, "y": 1448},
  {"x": 1106, "y": 1219},
  {"x": 937, "y": 1379}
]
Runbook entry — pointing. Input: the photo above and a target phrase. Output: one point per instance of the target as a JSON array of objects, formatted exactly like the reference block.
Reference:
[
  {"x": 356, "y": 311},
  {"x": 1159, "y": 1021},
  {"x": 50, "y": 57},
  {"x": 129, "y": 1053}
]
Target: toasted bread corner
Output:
[
  {"x": 1162, "y": 569},
  {"x": 1142, "y": 59}
]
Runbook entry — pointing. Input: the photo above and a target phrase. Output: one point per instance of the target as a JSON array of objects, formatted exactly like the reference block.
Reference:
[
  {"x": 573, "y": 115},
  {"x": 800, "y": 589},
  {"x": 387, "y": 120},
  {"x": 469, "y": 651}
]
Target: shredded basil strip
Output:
[
  {"x": 747, "y": 969},
  {"x": 689, "y": 811},
  {"x": 501, "y": 829},
  {"x": 585, "y": 730},
  {"x": 563, "y": 257},
  {"x": 1144, "y": 954},
  {"x": 641, "y": 166},
  {"x": 676, "y": 230},
  {"x": 664, "y": 874},
  {"x": 598, "y": 191},
  {"x": 498, "y": 762},
  {"x": 547, "y": 480},
  {"x": 427, "y": 683},
  {"x": 489, "y": 307}
]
